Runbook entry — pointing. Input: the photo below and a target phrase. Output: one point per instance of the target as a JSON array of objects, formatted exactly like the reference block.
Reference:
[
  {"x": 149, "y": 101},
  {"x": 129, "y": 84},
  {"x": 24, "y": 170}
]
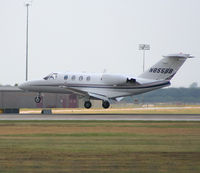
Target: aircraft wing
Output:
[
  {"x": 75, "y": 91},
  {"x": 85, "y": 93},
  {"x": 98, "y": 96}
]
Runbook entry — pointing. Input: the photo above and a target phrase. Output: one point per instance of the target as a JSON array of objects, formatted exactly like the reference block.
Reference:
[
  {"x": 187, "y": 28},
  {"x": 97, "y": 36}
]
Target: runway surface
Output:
[{"x": 113, "y": 117}]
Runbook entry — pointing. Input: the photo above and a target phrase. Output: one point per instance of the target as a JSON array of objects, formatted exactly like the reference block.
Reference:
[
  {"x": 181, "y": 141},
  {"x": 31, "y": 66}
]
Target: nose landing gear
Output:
[{"x": 38, "y": 99}]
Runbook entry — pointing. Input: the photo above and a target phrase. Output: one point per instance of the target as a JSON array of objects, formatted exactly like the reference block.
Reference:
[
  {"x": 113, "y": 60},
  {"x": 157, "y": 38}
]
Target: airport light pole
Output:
[
  {"x": 144, "y": 47},
  {"x": 27, "y": 4}
]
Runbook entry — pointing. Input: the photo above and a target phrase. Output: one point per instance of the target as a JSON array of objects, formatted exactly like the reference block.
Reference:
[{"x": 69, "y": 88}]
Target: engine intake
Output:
[{"x": 131, "y": 80}]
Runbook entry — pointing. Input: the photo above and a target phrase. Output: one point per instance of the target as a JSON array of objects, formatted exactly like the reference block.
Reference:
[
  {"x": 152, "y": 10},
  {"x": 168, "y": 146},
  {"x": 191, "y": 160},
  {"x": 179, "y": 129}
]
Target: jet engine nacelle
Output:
[{"x": 112, "y": 79}]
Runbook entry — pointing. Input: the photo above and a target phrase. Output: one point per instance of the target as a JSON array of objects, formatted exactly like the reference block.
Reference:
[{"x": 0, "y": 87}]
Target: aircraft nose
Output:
[{"x": 24, "y": 86}]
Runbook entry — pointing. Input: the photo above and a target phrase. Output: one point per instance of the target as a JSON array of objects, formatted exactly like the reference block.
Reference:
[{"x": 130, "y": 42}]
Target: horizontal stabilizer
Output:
[{"x": 178, "y": 56}]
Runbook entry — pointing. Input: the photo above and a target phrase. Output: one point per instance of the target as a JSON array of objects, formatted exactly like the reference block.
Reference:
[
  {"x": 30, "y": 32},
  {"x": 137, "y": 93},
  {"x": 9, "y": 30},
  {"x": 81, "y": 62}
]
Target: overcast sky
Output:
[{"x": 93, "y": 35}]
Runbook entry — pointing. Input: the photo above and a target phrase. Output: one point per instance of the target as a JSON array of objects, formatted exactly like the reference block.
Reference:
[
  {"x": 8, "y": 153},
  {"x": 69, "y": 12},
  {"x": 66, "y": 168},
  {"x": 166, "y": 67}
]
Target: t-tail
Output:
[{"x": 166, "y": 68}]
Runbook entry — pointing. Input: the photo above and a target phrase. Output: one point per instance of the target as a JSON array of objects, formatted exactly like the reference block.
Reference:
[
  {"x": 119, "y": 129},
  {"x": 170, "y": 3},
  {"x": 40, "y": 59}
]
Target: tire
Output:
[
  {"x": 37, "y": 99},
  {"x": 105, "y": 104},
  {"x": 87, "y": 104}
]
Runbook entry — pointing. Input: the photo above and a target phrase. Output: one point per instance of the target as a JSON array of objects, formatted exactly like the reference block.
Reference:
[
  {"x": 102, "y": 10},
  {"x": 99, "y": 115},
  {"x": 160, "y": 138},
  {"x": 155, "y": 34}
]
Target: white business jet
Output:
[{"x": 107, "y": 87}]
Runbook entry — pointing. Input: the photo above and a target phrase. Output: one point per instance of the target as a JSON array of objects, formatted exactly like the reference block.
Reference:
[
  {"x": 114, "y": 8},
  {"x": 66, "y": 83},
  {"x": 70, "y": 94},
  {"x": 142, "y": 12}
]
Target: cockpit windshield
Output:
[{"x": 51, "y": 76}]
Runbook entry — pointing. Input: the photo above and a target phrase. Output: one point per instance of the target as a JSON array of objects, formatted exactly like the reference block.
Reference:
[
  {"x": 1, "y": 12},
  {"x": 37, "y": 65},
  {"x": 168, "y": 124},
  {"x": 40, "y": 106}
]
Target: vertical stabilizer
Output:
[{"x": 166, "y": 68}]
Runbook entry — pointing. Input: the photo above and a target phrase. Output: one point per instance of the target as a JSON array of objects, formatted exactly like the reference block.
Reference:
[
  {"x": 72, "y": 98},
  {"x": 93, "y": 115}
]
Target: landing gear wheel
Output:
[
  {"x": 105, "y": 104},
  {"x": 37, "y": 99},
  {"x": 88, "y": 104}
]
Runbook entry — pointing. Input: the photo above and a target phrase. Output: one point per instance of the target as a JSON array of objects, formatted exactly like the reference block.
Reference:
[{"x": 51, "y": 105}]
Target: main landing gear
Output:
[
  {"x": 105, "y": 104},
  {"x": 88, "y": 104}
]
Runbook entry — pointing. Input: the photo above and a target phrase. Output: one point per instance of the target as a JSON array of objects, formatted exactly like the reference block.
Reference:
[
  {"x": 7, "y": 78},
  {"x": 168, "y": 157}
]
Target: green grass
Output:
[{"x": 99, "y": 146}]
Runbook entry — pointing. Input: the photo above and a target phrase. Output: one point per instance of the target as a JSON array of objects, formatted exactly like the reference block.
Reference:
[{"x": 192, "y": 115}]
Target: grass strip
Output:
[{"x": 99, "y": 146}]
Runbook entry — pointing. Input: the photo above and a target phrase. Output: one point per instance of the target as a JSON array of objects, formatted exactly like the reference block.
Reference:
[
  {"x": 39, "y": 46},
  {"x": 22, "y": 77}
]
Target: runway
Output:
[{"x": 111, "y": 117}]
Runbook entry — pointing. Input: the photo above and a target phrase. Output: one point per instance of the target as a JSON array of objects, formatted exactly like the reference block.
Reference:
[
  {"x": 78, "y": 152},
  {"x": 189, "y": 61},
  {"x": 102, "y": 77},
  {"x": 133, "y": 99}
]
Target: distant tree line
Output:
[{"x": 168, "y": 95}]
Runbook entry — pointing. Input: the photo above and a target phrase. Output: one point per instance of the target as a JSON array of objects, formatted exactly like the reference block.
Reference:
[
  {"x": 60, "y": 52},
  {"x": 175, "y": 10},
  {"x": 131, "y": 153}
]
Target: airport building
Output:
[{"x": 13, "y": 97}]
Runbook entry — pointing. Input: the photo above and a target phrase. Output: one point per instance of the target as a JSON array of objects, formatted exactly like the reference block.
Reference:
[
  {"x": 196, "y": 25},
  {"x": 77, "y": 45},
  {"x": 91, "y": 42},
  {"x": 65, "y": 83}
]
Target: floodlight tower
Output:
[
  {"x": 144, "y": 47},
  {"x": 27, "y": 4}
]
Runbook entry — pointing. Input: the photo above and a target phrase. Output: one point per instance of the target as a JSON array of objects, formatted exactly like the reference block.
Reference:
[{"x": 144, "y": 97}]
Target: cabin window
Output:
[
  {"x": 81, "y": 78},
  {"x": 65, "y": 77},
  {"x": 73, "y": 77},
  {"x": 88, "y": 78}
]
